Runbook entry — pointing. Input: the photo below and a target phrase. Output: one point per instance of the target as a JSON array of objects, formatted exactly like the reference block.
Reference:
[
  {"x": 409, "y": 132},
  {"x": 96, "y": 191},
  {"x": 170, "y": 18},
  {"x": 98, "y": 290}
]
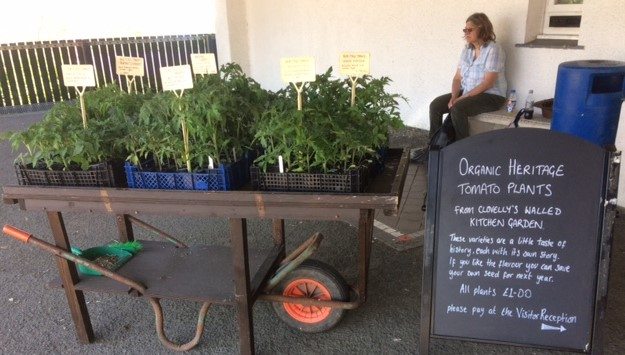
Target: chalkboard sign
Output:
[{"x": 514, "y": 230}]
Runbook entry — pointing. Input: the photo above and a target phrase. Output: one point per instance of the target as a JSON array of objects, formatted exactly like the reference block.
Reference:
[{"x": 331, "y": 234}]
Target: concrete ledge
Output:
[{"x": 489, "y": 121}]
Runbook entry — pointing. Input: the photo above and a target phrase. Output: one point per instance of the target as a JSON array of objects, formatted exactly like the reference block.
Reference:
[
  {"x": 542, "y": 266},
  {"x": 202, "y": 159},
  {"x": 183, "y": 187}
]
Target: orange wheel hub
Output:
[{"x": 309, "y": 289}]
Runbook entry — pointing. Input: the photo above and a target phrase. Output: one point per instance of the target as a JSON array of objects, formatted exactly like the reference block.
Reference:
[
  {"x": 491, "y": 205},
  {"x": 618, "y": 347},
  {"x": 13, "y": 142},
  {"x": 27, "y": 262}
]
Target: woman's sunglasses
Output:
[{"x": 467, "y": 30}]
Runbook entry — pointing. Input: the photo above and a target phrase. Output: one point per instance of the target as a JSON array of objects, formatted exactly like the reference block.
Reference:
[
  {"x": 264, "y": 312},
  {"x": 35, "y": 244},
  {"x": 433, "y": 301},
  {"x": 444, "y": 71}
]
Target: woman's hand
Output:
[
  {"x": 455, "y": 88},
  {"x": 489, "y": 81},
  {"x": 454, "y": 100}
]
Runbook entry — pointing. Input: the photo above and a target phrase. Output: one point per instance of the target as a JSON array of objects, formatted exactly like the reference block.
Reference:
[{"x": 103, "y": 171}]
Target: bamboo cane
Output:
[
  {"x": 354, "y": 80},
  {"x": 83, "y": 111},
  {"x": 299, "y": 90},
  {"x": 185, "y": 132}
]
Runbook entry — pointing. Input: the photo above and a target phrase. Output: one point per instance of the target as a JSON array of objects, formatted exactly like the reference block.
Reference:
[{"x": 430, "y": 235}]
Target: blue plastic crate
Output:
[
  {"x": 147, "y": 180},
  {"x": 184, "y": 181},
  {"x": 213, "y": 179},
  {"x": 166, "y": 181},
  {"x": 224, "y": 177}
]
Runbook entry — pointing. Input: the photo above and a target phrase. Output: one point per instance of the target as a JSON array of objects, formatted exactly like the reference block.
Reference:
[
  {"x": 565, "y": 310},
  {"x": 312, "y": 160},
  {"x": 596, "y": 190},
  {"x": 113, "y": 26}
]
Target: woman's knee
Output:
[
  {"x": 458, "y": 112},
  {"x": 439, "y": 104}
]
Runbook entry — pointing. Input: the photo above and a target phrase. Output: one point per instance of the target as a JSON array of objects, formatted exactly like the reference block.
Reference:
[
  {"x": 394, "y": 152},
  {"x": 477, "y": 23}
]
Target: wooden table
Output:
[{"x": 228, "y": 264}]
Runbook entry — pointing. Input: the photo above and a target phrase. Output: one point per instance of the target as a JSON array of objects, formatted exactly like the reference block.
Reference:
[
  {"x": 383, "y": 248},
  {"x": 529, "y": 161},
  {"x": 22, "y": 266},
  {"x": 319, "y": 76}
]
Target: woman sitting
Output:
[{"x": 479, "y": 84}]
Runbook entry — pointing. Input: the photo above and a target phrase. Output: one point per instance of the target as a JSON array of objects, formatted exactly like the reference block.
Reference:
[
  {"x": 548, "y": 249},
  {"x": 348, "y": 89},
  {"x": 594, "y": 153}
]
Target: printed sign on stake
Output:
[
  {"x": 78, "y": 75},
  {"x": 129, "y": 66},
  {"x": 176, "y": 77},
  {"x": 354, "y": 64},
  {"x": 297, "y": 69},
  {"x": 204, "y": 63}
]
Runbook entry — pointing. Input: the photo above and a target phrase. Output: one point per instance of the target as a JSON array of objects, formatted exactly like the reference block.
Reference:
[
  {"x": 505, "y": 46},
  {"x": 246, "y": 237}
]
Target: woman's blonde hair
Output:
[{"x": 480, "y": 20}]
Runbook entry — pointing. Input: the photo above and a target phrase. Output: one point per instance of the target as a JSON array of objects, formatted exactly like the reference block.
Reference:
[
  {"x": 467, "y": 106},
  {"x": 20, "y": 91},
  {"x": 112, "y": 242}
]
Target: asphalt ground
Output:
[{"x": 34, "y": 317}]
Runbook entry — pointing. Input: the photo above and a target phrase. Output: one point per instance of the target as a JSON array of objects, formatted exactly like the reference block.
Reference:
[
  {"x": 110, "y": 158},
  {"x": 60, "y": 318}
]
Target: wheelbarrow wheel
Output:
[{"x": 312, "y": 279}]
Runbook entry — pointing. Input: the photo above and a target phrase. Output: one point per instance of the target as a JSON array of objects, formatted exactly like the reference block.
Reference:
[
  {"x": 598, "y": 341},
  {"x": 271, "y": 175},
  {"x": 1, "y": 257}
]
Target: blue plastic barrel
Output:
[{"x": 588, "y": 98}]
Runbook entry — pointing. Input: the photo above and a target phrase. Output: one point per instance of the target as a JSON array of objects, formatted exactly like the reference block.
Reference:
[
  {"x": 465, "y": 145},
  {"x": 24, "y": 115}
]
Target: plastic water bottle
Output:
[
  {"x": 529, "y": 106},
  {"x": 511, "y": 103}
]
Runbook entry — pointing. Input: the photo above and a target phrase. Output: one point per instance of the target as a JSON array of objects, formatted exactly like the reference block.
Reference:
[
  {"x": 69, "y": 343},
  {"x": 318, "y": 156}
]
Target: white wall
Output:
[
  {"x": 231, "y": 33},
  {"x": 417, "y": 43}
]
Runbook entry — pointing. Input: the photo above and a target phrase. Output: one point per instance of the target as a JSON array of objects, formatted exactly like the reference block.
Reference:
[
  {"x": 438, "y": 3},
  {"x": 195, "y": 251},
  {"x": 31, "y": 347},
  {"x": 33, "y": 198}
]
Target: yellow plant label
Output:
[
  {"x": 78, "y": 75},
  {"x": 176, "y": 77},
  {"x": 204, "y": 63},
  {"x": 354, "y": 64},
  {"x": 297, "y": 69},
  {"x": 129, "y": 66}
]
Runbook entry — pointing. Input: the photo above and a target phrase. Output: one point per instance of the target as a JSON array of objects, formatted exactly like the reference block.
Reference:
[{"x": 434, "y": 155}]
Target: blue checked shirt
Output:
[{"x": 492, "y": 59}]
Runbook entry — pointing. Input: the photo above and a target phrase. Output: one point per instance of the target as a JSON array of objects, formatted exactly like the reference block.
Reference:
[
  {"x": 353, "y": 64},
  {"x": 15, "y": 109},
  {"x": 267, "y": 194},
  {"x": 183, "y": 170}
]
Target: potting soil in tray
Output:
[{"x": 110, "y": 257}]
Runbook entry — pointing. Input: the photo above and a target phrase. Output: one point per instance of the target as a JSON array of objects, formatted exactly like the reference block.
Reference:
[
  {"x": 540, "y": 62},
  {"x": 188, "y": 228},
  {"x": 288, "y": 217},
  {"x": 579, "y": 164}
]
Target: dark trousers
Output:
[{"x": 460, "y": 112}]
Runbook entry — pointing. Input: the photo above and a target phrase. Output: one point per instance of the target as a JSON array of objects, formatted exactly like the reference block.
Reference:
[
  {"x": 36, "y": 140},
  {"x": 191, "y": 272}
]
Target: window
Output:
[{"x": 562, "y": 19}]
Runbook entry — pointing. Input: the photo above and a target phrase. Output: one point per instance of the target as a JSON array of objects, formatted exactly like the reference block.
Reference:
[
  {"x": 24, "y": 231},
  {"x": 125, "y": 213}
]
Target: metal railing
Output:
[{"x": 30, "y": 73}]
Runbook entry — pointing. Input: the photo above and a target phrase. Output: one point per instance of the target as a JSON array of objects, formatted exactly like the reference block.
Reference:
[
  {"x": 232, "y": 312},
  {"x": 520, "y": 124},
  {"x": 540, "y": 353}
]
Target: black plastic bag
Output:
[
  {"x": 518, "y": 117},
  {"x": 444, "y": 136}
]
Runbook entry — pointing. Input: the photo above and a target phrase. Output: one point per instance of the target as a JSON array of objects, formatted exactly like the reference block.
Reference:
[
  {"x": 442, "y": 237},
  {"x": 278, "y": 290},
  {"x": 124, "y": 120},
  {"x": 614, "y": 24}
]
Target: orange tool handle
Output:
[{"x": 16, "y": 233}]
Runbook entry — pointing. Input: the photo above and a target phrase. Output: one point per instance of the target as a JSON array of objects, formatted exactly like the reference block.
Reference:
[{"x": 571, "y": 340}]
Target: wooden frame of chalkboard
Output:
[{"x": 517, "y": 241}]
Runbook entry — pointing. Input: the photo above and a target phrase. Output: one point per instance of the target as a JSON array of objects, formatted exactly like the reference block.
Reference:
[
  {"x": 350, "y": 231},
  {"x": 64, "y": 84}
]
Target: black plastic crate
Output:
[
  {"x": 98, "y": 175},
  {"x": 353, "y": 181},
  {"x": 356, "y": 180}
]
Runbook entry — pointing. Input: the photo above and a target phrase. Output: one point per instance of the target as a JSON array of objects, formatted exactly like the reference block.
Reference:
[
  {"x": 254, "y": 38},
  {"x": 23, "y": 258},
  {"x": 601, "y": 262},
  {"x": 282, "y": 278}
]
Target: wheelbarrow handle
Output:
[
  {"x": 16, "y": 233},
  {"x": 294, "y": 260},
  {"x": 26, "y": 237}
]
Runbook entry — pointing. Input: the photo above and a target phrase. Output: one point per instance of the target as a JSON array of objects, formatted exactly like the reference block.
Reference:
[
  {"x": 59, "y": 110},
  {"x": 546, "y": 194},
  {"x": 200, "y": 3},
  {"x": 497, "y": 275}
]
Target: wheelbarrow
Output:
[{"x": 321, "y": 289}]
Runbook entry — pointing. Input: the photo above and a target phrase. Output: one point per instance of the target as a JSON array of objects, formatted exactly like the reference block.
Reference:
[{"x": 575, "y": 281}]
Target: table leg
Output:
[
  {"x": 365, "y": 235},
  {"x": 69, "y": 276},
  {"x": 124, "y": 227},
  {"x": 238, "y": 240}
]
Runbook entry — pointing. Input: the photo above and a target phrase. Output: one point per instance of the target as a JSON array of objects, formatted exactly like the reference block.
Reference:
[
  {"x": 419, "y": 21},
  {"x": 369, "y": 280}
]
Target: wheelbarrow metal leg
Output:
[
  {"x": 294, "y": 259},
  {"x": 160, "y": 331},
  {"x": 238, "y": 240},
  {"x": 161, "y": 234},
  {"x": 69, "y": 276}
]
